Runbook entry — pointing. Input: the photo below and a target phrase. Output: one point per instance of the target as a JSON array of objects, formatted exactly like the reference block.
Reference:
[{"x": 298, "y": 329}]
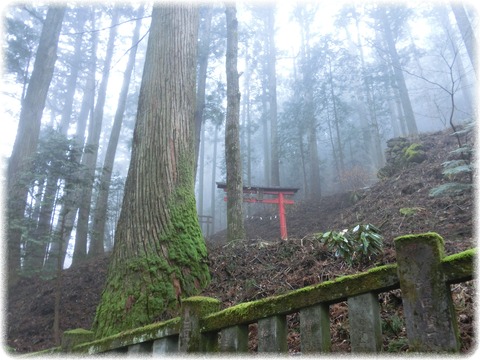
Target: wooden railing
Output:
[{"x": 421, "y": 272}]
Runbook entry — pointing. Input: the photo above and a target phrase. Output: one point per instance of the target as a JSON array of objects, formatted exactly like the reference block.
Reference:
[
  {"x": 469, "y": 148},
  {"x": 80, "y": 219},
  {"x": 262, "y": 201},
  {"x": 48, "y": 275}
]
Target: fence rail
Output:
[{"x": 421, "y": 272}]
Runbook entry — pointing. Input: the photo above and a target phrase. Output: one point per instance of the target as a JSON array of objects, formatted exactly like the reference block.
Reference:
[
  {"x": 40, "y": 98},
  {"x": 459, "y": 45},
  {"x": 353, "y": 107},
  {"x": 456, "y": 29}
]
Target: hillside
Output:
[{"x": 264, "y": 265}]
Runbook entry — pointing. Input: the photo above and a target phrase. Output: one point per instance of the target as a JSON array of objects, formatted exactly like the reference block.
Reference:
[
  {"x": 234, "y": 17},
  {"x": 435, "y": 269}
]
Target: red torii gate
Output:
[{"x": 280, "y": 199}]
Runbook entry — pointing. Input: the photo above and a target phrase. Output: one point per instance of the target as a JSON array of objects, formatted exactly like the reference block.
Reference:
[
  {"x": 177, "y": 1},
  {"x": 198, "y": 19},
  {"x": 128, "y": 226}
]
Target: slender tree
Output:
[
  {"x": 305, "y": 17},
  {"x": 159, "y": 254},
  {"x": 29, "y": 131},
  {"x": 466, "y": 30},
  {"x": 100, "y": 212},
  {"x": 89, "y": 159},
  {"x": 235, "y": 225},
  {"x": 397, "y": 68},
  {"x": 203, "y": 52},
  {"x": 272, "y": 95},
  {"x": 72, "y": 190}
]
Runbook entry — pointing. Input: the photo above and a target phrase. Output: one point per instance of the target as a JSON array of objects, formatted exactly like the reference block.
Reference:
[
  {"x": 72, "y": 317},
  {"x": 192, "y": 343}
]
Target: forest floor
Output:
[{"x": 264, "y": 265}]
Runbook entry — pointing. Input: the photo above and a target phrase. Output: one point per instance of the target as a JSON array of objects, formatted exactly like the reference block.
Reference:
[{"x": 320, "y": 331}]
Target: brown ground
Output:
[{"x": 263, "y": 265}]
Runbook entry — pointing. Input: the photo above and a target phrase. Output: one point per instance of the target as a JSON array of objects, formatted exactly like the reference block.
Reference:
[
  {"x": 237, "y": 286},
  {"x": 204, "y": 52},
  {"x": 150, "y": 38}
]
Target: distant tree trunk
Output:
[
  {"x": 28, "y": 133},
  {"x": 203, "y": 53},
  {"x": 367, "y": 111},
  {"x": 341, "y": 162},
  {"x": 400, "y": 79},
  {"x": 101, "y": 205},
  {"x": 43, "y": 231},
  {"x": 309, "y": 113},
  {"x": 466, "y": 30},
  {"x": 159, "y": 255},
  {"x": 247, "y": 119},
  {"x": 72, "y": 188},
  {"x": 89, "y": 159},
  {"x": 75, "y": 67},
  {"x": 235, "y": 225},
  {"x": 448, "y": 29},
  {"x": 265, "y": 133},
  {"x": 214, "y": 175},
  {"x": 272, "y": 96},
  {"x": 201, "y": 171}
]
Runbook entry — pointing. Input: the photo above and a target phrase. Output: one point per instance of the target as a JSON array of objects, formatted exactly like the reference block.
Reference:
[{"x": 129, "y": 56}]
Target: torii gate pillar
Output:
[{"x": 280, "y": 199}]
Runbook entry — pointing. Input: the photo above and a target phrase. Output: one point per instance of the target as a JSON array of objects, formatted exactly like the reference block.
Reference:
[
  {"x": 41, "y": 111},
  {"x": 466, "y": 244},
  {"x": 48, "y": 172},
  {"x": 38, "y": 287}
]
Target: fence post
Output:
[
  {"x": 427, "y": 302},
  {"x": 272, "y": 334},
  {"x": 165, "y": 345},
  {"x": 193, "y": 309},
  {"x": 234, "y": 339},
  {"x": 365, "y": 324},
  {"x": 315, "y": 329}
]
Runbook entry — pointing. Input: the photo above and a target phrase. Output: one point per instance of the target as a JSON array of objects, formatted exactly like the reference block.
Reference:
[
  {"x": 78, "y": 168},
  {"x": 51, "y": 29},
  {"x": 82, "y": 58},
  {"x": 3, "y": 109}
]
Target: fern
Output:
[{"x": 451, "y": 188}]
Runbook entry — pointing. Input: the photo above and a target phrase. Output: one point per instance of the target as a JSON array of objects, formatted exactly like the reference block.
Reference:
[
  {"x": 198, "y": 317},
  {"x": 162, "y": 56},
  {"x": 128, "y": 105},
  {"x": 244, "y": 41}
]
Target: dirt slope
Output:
[{"x": 263, "y": 265}]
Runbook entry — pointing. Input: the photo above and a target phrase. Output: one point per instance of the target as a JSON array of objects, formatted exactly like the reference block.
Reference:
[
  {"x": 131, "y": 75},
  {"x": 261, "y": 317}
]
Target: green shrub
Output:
[{"x": 357, "y": 243}]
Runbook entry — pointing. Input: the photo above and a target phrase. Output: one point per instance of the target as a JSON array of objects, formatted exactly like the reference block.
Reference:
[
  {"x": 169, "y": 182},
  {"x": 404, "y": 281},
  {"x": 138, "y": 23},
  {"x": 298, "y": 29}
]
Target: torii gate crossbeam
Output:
[{"x": 260, "y": 191}]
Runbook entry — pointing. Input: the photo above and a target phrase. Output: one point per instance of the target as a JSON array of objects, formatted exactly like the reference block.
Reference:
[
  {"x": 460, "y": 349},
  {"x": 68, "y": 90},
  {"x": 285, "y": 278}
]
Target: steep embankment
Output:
[{"x": 263, "y": 265}]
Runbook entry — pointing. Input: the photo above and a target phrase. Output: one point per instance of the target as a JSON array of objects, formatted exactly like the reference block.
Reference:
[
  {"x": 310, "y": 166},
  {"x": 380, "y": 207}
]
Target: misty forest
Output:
[{"x": 149, "y": 142}]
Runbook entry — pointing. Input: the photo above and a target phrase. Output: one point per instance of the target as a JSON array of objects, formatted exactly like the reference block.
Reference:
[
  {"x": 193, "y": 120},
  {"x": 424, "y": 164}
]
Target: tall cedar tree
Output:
[
  {"x": 159, "y": 254},
  {"x": 235, "y": 225},
  {"x": 28, "y": 133},
  {"x": 397, "y": 68}
]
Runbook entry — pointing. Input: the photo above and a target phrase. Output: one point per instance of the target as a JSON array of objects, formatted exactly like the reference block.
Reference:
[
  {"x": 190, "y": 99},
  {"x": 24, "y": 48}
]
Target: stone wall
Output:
[{"x": 401, "y": 153}]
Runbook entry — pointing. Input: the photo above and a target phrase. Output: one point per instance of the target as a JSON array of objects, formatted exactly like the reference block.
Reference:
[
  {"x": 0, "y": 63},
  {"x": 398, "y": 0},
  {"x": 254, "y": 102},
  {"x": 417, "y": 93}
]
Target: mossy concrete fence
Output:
[{"x": 422, "y": 273}]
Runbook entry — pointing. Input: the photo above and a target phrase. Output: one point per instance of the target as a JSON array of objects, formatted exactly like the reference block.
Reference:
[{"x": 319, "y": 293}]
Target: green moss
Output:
[
  {"x": 415, "y": 153},
  {"x": 141, "y": 334},
  {"x": 410, "y": 211},
  {"x": 74, "y": 337},
  {"x": 149, "y": 285},
  {"x": 381, "y": 278},
  {"x": 459, "y": 267},
  {"x": 430, "y": 238}
]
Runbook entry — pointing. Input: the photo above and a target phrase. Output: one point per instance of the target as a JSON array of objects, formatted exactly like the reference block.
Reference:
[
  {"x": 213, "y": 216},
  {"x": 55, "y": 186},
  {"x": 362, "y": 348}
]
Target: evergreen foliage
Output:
[
  {"x": 459, "y": 170},
  {"x": 355, "y": 244}
]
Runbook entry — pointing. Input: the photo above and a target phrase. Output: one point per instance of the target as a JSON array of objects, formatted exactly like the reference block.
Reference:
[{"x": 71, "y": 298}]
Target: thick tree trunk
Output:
[
  {"x": 101, "y": 205},
  {"x": 159, "y": 255},
  {"x": 89, "y": 159},
  {"x": 235, "y": 225},
  {"x": 400, "y": 79},
  {"x": 28, "y": 133}
]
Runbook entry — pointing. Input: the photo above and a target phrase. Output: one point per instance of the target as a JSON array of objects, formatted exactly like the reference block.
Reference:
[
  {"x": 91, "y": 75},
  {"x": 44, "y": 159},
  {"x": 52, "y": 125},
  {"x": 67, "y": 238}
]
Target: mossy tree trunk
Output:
[
  {"x": 159, "y": 254},
  {"x": 235, "y": 225}
]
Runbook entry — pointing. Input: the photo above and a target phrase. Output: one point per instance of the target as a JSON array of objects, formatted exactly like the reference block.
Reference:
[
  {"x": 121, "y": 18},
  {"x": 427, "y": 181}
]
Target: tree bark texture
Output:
[
  {"x": 101, "y": 205},
  {"x": 235, "y": 224},
  {"x": 29, "y": 131},
  {"x": 159, "y": 254}
]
